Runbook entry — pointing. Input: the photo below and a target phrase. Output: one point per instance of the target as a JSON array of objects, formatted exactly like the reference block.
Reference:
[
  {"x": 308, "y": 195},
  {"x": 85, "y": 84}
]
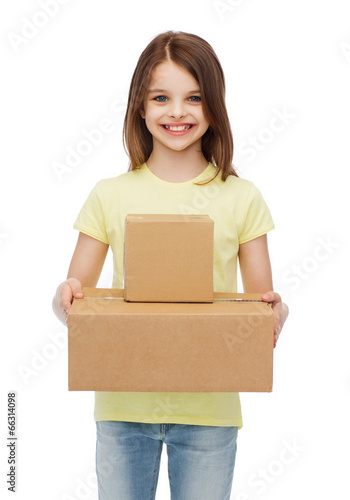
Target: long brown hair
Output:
[{"x": 198, "y": 57}]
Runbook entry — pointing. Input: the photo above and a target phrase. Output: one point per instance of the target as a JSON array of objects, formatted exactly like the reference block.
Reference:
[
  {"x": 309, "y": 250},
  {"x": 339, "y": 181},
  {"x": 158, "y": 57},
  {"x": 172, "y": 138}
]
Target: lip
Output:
[
  {"x": 177, "y": 132},
  {"x": 177, "y": 124}
]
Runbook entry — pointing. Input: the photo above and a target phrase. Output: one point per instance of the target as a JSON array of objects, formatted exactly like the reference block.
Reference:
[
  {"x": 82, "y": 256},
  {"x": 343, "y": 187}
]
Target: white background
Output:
[{"x": 73, "y": 72}]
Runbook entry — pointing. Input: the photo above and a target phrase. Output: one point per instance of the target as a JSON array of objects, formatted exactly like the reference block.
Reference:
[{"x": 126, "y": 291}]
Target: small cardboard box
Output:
[
  {"x": 223, "y": 346},
  {"x": 168, "y": 258}
]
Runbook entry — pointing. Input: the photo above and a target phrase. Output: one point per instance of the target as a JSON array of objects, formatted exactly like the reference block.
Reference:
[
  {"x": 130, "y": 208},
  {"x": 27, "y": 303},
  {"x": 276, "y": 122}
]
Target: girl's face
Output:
[{"x": 173, "y": 109}]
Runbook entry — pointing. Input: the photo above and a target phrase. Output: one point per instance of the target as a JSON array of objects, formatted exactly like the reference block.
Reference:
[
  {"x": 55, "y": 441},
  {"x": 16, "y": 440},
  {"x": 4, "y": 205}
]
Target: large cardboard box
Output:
[
  {"x": 223, "y": 346},
  {"x": 168, "y": 258}
]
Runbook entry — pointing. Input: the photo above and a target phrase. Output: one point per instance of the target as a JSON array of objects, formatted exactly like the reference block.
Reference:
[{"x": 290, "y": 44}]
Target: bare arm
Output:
[
  {"x": 84, "y": 270},
  {"x": 255, "y": 266},
  {"x": 254, "y": 263}
]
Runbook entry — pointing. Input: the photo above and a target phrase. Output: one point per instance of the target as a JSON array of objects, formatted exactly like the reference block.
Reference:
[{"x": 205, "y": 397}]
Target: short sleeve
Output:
[
  {"x": 257, "y": 217},
  {"x": 91, "y": 219}
]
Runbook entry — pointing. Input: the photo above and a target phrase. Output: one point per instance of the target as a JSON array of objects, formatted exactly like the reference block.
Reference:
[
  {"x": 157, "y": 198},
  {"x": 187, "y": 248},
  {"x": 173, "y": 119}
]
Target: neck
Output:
[{"x": 176, "y": 166}]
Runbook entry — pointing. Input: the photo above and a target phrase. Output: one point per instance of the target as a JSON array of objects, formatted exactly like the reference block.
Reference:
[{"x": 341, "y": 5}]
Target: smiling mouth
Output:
[{"x": 177, "y": 129}]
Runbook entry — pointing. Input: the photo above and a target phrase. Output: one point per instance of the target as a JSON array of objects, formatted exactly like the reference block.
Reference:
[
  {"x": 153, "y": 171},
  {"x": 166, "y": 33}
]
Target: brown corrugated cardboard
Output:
[
  {"x": 168, "y": 258},
  {"x": 224, "y": 346}
]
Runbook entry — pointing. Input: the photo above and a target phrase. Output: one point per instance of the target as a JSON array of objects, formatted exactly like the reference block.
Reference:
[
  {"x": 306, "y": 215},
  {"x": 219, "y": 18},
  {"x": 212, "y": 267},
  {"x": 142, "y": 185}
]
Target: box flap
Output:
[
  {"x": 218, "y": 296},
  {"x": 169, "y": 217},
  {"x": 103, "y": 292},
  {"x": 245, "y": 297}
]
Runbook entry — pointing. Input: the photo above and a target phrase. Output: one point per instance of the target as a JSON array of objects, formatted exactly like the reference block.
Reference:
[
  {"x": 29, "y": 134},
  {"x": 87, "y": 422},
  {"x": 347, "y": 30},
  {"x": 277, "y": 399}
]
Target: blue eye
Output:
[{"x": 163, "y": 98}]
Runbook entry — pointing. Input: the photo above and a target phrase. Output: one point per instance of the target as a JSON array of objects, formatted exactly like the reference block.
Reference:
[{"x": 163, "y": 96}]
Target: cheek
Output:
[
  {"x": 148, "y": 117},
  {"x": 203, "y": 118},
  {"x": 151, "y": 115},
  {"x": 205, "y": 123}
]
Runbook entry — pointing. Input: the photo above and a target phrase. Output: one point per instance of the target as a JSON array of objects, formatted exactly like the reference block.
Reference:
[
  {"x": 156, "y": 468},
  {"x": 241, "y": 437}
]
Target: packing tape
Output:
[{"x": 215, "y": 300}]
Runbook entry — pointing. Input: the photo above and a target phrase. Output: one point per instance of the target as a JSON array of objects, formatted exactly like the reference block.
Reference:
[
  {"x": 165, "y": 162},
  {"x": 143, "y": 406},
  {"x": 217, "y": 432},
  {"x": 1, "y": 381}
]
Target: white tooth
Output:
[{"x": 177, "y": 129}]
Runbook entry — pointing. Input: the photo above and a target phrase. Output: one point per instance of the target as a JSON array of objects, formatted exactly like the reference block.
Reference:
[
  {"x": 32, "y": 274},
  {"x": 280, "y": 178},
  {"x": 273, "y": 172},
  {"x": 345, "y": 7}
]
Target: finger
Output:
[
  {"x": 272, "y": 297},
  {"x": 277, "y": 297},
  {"x": 277, "y": 329},
  {"x": 66, "y": 298},
  {"x": 269, "y": 296},
  {"x": 266, "y": 296},
  {"x": 76, "y": 287}
]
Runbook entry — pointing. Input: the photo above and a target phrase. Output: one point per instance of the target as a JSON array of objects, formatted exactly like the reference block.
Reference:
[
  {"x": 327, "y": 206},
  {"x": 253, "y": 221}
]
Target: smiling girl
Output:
[{"x": 178, "y": 138}]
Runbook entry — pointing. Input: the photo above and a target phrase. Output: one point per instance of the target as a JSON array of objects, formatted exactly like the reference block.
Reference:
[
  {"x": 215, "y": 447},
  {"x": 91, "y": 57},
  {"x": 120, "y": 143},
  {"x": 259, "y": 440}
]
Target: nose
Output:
[{"x": 177, "y": 110}]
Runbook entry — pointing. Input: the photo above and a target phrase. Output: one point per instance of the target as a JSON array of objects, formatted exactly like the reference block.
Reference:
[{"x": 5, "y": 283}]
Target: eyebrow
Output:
[{"x": 196, "y": 91}]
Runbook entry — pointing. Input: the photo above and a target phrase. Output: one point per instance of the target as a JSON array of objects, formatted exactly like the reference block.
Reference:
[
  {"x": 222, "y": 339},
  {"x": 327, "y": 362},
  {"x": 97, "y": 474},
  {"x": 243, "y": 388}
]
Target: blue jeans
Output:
[{"x": 201, "y": 460}]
